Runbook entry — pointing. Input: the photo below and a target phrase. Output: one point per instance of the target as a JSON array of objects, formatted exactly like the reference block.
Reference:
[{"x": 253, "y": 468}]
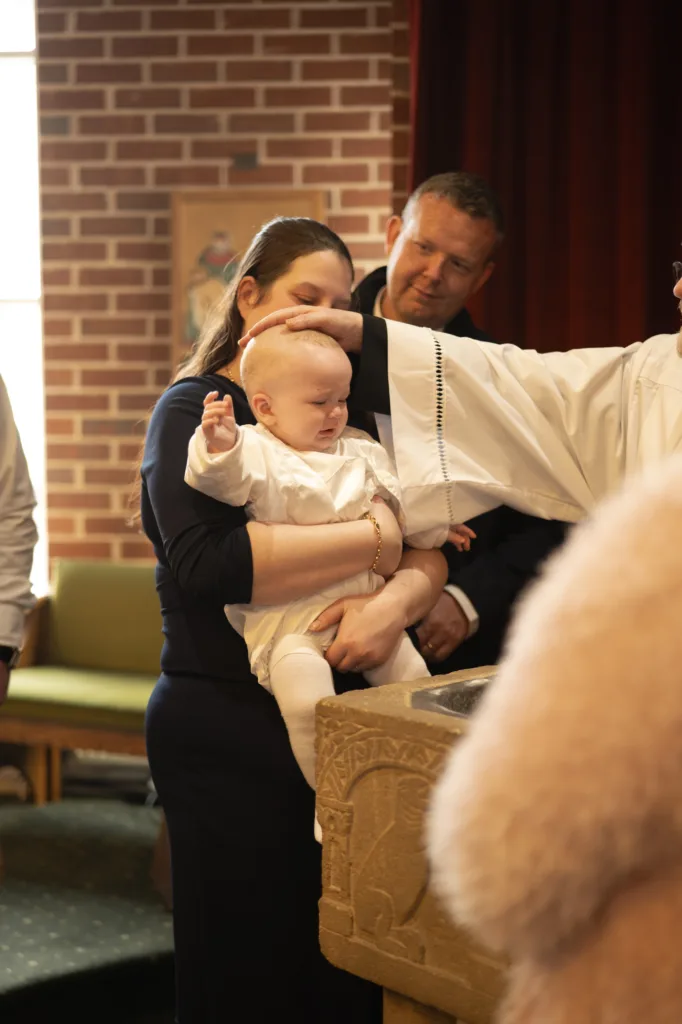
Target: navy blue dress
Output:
[{"x": 246, "y": 867}]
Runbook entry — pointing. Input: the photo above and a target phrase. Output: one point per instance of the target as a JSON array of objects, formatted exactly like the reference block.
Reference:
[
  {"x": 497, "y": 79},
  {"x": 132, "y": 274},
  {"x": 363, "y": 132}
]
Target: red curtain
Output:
[{"x": 572, "y": 110}]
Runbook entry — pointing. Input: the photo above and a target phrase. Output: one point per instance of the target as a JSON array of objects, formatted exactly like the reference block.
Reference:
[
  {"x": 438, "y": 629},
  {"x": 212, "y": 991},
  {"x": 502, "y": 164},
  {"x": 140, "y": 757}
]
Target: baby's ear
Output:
[{"x": 260, "y": 404}]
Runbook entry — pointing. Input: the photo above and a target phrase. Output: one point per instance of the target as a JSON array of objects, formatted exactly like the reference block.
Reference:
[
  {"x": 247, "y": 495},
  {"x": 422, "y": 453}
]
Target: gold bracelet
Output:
[{"x": 375, "y": 524}]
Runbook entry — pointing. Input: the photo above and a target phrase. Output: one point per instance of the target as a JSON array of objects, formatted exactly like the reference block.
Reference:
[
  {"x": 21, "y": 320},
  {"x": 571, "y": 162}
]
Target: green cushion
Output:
[
  {"x": 79, "y": 696},
  {"x": 105, "y": 615}
]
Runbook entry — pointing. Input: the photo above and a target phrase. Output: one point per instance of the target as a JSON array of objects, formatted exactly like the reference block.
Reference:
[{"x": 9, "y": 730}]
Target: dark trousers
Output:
[{"x": 245, "y": 864}]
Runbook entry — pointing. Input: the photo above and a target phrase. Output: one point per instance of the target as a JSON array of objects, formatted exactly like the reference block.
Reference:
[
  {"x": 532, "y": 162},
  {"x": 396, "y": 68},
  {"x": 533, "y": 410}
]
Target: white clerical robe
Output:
[{"x": 477, "y": 425}]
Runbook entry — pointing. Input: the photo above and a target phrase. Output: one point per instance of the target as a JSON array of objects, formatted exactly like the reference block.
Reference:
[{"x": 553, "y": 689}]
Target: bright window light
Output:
[{"x": 17, "y": 26}]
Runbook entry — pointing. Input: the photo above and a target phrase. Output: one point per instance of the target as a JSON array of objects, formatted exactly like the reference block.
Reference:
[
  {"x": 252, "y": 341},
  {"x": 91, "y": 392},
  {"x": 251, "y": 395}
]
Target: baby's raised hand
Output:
[
  {"x": 218, "y": 423},
  {"x": 461, "y": 536}
]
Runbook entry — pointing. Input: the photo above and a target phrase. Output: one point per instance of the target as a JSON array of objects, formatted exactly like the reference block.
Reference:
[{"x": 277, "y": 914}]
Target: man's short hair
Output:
[{"x": 466, "y": 192}]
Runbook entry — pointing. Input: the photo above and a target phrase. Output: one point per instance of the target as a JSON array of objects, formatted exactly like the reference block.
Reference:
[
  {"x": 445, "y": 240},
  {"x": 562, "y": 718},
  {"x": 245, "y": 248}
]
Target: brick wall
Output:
[{"x": 141, "y": 97}]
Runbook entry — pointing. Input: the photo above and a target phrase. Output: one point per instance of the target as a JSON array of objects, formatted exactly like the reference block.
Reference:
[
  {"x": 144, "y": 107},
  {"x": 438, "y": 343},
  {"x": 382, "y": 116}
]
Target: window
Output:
[{"x": 21, "y": 346}]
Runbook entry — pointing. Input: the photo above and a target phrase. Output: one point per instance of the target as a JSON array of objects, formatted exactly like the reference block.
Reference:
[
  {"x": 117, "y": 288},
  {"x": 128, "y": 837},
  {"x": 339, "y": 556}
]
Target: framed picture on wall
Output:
[{"x": 211, "y": 230}]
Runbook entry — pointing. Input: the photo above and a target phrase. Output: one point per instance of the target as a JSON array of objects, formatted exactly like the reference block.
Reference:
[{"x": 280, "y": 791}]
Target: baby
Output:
[{"x": 300, "y": 464}]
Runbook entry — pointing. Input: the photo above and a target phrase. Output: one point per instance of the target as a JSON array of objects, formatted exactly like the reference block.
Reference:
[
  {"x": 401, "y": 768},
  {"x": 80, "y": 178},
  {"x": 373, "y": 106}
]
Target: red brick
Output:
[
  {"x": 142, "y": 302},
  {"x": 116, "y": 477},
  {"x": 400, "y": 75},
  {"x": 401, "y": 42},
  {"x": 367, "y": 250},
  {"x": 185, "y": 71},
  {"x": 162, "y": 227},
  {"x": 116, "y": 124},
  {"x": 344, "y": 17},
  {"x": 162, "y": 378},
  {"x": 113, "y": 378},
  {"x": 109, "y": 21},
  {"x": 113, "y": 226},
  {"x": 197, "y": 175},
  {"x": 56, "y": 276},
  {"x": 325, "y": 174},
  {"x": 400, "y": 10},
  {"x": 365, "y": 96},
  {"x": 73, "y": 151},
  {"x": 219, "y": 45},
  {"x": 221, "y": 149},
  {"x": 50, "y": 23},
  {"x": 69, "y": 48},
  {"x": 57, "y": 328},
  {"x": 137, "y": 549},
  {"x": 401, "y": 144},
  {"x": 79, "y": 549},
  {"x": 52, "y": 74},
  {"x": 147, "y": 98},
  {"x": 54, "y": 175},
  {"x": 55, "y": 226},
  {"x": 349, "y": 224},
  {"x": 44, "y": 4},
  {"x": 265, "y": 123},
  {"x": 297, "y": 148},
  {"x": 183, "y": 21},
  {"x": 148, "y": 150},
  {"x": 145, "y": 201},
  {"x": 76, "y": 353},
  {"x": 107, "y": 71},
  {"x": 74, "y": 403},
  {"x": 385, "y": 13},
  {"x": 260, "y": 19},
  {"x": 60, "y": 525},
  {"x": 113, "y": 326},
  {"x": 67, "y": 499},
  {"x": 144, "y": 353},
  {"x": 369, "y": 147},
  {"x": 162, "y": 327},
  {"x": 160, "y": 277},
  {"x": 288, "y": 43},
  {"x": 144, "y": 46},
  {"x": 230, "y": 97},
  {"x": 71, "y": 99},
  {"x": 56, "y": 426},
  {"x": 74, "y": 251},
  {"x": 55, "y": 202},
  {"x": 128, "y": 452},
  {"x": 298, "y": 96},
  {"x": 385, "y": 121},
  {"x": 112, "y": 428},
  {"x": 366, "y": 197},
  {"x": 155, "y": 251},
  {"x": 333, "y": 122},
  {"x": 401, "y": 110},
  {"x": 258, "y": 70},
  {"x": 273, "y": 174},
  {"x": 112, "y": 176},
  {"x": 59, "y": 378},
  {"x": 186, "y": 124},
  {"x": 400, "y": 175},
  {"x": 327, "y": 70},
  {"x": 60, "y": 475},
  {"x": 366, "y": 42},
  {"x": 110, "y": 276},
  {"x": 137, "y": 402},
  {"x": 385, "y": 170},
  {"x": 74, "y": 303}
]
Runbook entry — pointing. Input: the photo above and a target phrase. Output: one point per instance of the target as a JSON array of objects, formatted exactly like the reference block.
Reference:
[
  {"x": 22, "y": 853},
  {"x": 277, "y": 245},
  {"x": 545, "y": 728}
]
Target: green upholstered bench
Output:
[{"x": 89, "y": 664}]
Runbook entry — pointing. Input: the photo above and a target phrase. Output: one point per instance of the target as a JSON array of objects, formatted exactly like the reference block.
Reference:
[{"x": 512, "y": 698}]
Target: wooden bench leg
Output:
[
  {"x": 55, "y": 773},
  {"x": 36, "y": 772}
]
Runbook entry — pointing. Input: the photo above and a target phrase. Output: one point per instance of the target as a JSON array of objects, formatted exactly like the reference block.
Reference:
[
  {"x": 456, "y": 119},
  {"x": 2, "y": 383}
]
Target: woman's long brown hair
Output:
[{"x": 269, "y": 256}]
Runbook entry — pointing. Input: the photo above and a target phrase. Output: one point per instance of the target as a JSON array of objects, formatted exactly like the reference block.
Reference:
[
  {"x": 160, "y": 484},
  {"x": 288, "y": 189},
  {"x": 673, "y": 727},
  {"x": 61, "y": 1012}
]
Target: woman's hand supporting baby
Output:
[{"x": 218, "y": 424}]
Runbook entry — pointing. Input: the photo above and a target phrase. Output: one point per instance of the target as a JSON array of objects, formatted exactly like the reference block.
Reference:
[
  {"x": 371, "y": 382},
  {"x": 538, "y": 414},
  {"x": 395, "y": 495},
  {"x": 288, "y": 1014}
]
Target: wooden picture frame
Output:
[{"x": 211, "y": 229}]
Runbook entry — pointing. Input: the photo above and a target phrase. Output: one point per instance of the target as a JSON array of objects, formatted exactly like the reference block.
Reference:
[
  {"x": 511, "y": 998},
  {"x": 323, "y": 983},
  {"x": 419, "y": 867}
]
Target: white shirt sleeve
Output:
[
  {"x": 18, "y": 532},
  {"x": 231, "y": 476},
  {"x": 477, "y": 425}
]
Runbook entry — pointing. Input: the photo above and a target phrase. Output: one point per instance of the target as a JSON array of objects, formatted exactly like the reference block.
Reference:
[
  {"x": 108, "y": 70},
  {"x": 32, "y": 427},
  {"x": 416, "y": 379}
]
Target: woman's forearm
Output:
[
  {"x": 291, "y": 562},
  {"x": 417, "y": 583}
]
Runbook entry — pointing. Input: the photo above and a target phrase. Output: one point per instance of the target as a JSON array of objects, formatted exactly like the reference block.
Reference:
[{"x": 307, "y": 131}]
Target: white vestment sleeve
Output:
[
  {"x": 18, "y": 532},
  {"x": 227, "y": 476},
  {"x": 477, "y": 425}
]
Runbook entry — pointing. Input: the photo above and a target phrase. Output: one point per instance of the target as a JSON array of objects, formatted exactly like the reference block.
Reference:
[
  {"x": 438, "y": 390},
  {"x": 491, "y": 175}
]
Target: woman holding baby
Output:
[{"x": 246, "y": 867}]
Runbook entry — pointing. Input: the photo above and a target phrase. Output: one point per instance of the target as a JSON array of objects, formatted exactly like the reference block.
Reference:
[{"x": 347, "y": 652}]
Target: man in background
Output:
[
  {"x": 18, "y": 536},
  {"x": 440, "y": 253}
]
